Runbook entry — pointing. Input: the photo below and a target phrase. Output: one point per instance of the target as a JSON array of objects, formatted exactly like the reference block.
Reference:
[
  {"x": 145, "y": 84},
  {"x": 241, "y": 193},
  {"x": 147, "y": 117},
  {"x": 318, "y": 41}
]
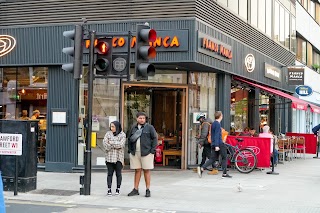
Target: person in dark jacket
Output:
[
  {"x": 2, "y": 204},
  {"x": 142, "y": 142},
  {"x": 217, "y": 147},
  {"x": 203, "y": 140}
]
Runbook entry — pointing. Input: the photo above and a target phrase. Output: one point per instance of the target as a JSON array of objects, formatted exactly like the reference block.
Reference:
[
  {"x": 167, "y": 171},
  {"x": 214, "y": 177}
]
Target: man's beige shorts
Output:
[{"x": 138, "y": 162}]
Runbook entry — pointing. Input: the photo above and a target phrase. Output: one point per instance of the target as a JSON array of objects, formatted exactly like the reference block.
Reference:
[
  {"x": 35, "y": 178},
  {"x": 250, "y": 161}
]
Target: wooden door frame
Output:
[{"x": 184, "y": 114}]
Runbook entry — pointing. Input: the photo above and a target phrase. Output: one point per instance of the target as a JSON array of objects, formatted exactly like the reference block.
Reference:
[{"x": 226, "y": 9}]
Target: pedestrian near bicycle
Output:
[
  {"x": 203, "y": 140},
  {"x": 114, "y": 143},
  {"x": 217, "y": 147}
]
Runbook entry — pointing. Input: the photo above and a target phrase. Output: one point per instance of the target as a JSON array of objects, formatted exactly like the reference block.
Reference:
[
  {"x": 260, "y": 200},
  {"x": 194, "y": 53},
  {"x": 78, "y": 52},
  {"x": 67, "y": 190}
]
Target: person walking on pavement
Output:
[
  {"x": 2, "y": 204},
  {"x": 114, "y": 143},
  {"x": 142, "y": 143},
  {"x": 217, "y": 147},
  {"x": 203, "y": 140}
]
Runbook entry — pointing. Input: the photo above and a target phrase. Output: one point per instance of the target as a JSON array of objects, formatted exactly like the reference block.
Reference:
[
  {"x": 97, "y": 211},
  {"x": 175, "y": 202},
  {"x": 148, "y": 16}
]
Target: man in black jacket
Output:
[{"x": 142, "y": 142}]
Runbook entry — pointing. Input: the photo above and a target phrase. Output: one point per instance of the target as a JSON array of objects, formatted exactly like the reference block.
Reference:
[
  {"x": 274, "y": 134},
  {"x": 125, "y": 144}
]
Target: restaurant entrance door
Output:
[{"x": 166, "y": 108}]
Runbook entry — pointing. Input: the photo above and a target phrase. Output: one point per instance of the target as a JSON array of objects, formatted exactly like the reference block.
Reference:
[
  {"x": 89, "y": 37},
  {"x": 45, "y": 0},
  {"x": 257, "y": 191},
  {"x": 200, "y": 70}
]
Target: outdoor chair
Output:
[
  {"x": 301, "y": 146},
  {"x": 284, "y": 147}
]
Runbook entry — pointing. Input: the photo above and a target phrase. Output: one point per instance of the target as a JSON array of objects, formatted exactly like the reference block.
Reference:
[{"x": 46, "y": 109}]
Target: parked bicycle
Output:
[{"x": 244, "y": 159}]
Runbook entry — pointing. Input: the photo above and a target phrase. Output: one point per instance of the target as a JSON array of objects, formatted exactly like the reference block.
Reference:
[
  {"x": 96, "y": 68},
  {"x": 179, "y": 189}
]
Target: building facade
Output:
[
  {"x": 308, "y": 58},
  {"x": 230, "y": 55}
]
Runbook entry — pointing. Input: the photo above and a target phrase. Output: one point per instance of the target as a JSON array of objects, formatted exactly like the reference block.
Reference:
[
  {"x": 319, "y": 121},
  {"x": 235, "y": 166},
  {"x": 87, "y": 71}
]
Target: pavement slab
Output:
[{"x": 295, "y": 189}]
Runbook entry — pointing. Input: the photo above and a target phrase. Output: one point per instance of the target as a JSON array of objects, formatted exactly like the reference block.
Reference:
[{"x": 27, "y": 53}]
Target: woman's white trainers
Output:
[
  {"x": 117, "y": 192},
  {"x": 109, "y": 192}
]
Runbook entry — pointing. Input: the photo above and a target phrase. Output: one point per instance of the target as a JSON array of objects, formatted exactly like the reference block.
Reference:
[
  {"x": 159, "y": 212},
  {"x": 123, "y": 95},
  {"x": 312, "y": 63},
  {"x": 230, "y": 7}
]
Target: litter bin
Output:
[{"x": 27, "y": 162}]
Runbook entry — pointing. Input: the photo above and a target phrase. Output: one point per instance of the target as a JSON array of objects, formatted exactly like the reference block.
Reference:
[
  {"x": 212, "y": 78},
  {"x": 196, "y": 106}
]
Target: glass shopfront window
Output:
[
  {"x": 107, "y": 105},
  {"x": 202, "y": 89},
  {"x": 263, "y": 110},
  {"x": 23, "y": 96},
  {"x": 239, "y": 109}
]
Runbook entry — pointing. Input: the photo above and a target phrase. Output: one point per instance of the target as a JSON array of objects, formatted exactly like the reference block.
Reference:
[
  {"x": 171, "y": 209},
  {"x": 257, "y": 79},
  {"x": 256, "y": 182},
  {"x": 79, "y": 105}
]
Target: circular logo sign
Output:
[
  {"x": 250, "y": 62},
  {"x": 7, "y": 43},
  {"x": 119, "y": 64},
  {"x": 304, "y": 90}
]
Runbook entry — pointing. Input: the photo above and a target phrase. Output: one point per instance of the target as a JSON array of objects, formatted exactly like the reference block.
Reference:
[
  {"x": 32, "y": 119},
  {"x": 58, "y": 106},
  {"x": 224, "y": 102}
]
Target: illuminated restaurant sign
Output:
[
  {"x": 213, "y": 47},
  {"x": 169, "y": 41},
  {"x": 7, "y": 44}
]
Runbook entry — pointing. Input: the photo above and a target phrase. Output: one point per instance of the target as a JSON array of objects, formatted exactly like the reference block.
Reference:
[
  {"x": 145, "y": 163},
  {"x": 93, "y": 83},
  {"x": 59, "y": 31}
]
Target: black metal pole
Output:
[
  {"x": 88, "y": 154},
  {"x": 16, "y": 177},
  {"x": 272, "y": 170},
  {"x": 129, "y": 55},
  {"x": 318, "y": 143}
]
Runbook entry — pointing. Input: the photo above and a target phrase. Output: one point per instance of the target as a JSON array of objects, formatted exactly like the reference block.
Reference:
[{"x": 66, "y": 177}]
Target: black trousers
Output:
[
  {"x": 117, "y": 167},
  {"x": 215, "y": 156},
  {"x": 206, "y": 153}
]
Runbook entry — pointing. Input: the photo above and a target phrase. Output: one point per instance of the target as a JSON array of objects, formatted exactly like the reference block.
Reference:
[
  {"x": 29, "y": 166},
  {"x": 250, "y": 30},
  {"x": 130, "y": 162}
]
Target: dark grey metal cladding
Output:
[
  {"x": 237, "y": 66},
  {"x": 220, "y": 18},
  {"x": 223, "y": 98},
  {"x": 61, "y": 149},
  {"x": 42, "y": 45},
  {"x": 67, "y": 11}
]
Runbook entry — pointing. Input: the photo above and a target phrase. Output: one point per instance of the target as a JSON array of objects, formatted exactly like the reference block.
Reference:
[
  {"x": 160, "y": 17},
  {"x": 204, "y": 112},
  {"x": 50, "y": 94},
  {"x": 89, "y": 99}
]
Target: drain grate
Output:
[{"x": 55, "y": 192}]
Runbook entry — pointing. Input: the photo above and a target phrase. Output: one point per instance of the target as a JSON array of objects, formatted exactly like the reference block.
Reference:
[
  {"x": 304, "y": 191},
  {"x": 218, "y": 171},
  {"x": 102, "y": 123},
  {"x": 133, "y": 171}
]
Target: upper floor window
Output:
[{"x": 301, "y": 50}]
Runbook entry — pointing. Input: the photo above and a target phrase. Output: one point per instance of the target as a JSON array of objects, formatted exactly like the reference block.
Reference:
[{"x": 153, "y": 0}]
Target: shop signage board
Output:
[
  {"x": 166, "y": 41},
  {"x": 7, "y": 44},
  {"x": 295, "y": 75},
  {"x": 304, "y": 90},
  {"x": 10, "y": 144},
  {"x": 214, "y": 47},
  {"x": 272, "y": 72}
]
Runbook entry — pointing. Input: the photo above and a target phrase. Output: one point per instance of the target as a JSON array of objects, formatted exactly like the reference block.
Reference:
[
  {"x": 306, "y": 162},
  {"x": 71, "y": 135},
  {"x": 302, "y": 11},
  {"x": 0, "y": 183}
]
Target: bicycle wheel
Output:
[{"x": 245, "y": 161}]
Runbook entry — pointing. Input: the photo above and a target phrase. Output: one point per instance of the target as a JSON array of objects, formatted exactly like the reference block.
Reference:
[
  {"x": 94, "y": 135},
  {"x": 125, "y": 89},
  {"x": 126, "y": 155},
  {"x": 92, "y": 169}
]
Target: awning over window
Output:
[
  {"x": 314, "y": 108},
  {"x": 296, "y": 102}
]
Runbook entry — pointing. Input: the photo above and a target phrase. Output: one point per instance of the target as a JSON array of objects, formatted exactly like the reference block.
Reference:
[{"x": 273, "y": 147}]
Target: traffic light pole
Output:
[{"x": 88, "y": 154}]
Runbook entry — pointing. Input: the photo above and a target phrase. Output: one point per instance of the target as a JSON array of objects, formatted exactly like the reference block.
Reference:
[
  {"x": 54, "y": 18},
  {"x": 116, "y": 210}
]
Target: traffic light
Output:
[
  {"x": 144, "y": 52},
  {"x": 103, "y": 49},
  {"x": 76, "y": 51}
]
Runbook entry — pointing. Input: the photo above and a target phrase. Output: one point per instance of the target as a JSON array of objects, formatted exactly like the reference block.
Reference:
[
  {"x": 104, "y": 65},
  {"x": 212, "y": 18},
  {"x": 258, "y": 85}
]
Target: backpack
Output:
[{"x": 209, "y": 132}]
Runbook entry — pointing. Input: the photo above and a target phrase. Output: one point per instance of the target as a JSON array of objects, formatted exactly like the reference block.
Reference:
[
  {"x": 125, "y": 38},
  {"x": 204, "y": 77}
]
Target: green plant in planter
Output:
[{"x": 316, "y": 67}]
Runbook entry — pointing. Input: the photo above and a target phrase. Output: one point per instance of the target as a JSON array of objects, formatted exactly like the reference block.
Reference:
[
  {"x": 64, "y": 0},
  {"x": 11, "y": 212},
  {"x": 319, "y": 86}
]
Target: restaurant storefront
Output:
[{"x": 198, "y": 69}]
